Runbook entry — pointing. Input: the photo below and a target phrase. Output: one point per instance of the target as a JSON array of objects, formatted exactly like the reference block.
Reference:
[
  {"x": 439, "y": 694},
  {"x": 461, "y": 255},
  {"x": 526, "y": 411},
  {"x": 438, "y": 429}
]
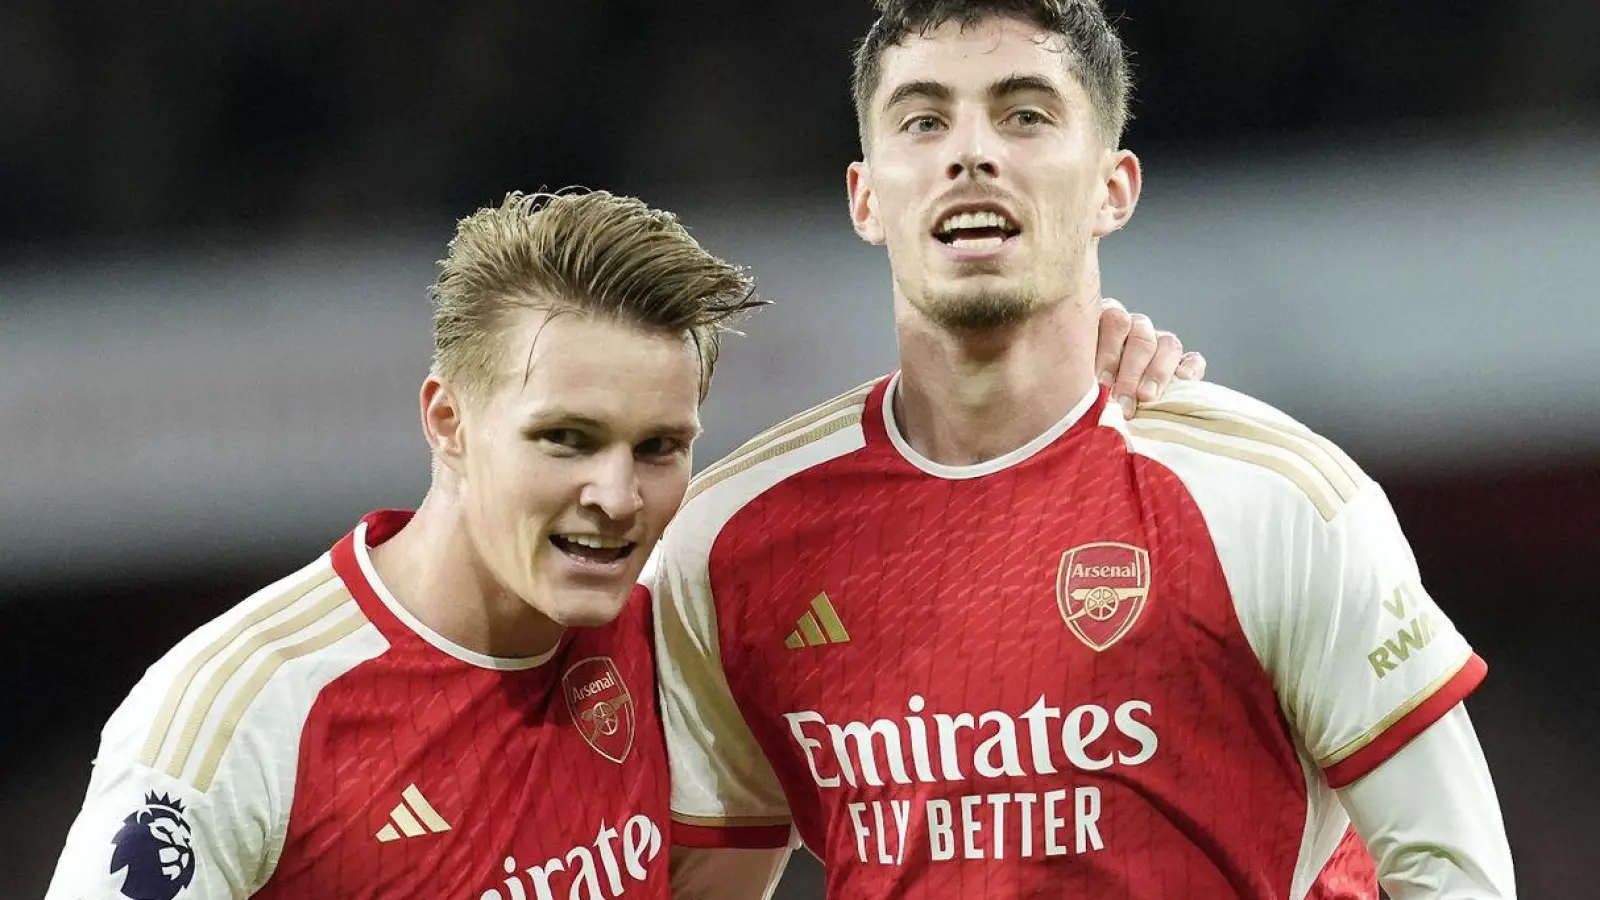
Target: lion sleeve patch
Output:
[
  {"x": 142, "y": 836},
  {"x": 154, "y": 850}
]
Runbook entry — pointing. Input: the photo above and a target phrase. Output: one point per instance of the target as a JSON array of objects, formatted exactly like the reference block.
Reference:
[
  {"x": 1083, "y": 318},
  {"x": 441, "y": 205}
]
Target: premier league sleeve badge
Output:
[{"x": 154, "y": 846}]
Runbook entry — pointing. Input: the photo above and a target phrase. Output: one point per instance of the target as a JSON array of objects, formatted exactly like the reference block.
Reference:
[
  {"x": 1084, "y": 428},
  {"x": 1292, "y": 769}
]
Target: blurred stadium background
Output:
[{"x": 217, "y": 222}]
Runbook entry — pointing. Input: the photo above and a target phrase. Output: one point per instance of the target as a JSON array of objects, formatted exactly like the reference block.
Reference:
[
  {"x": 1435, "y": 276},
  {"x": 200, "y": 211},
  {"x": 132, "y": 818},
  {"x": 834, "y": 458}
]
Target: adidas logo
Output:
[
  {"x": 820, "y": 625},
  {"x": 413, "y": 820}
]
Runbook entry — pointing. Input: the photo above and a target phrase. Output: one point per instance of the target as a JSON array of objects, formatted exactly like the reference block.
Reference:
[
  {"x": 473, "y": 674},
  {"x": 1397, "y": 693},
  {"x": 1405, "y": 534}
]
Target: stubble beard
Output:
[
  {"x": 978, "y": 306},
  {"x": 979, "y": 309}
]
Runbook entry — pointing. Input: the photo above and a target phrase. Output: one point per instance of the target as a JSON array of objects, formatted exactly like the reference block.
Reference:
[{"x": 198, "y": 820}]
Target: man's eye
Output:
[
  {"x": 566, "y": 438},
  {"x": 660, "y": 447},
  {"x": 1028, "y": 118},
  {"x": 922, "y": 124}
]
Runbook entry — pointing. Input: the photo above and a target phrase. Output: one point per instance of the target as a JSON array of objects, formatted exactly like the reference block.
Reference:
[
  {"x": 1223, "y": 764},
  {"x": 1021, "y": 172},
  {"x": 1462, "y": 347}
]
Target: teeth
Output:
[
  {"x": 984, "y": 219},
  {"x": 594, "y": 543}
]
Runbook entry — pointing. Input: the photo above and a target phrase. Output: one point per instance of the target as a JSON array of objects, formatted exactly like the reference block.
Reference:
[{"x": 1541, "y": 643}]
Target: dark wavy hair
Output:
[{"x": 1094, "y": 51}]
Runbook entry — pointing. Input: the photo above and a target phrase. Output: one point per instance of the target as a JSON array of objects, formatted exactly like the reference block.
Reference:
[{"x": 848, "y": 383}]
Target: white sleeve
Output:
[
  {"x": 1365, "y": 659},
  {"x": 724, "y": 792},
  {"x": 1327, "y": 591},
  {"x": 1324, "y": 581},
  {"x": 143, "y": 833},
  {"x": 1430, "y": 818},
  {"x": 726, "y": 874}
]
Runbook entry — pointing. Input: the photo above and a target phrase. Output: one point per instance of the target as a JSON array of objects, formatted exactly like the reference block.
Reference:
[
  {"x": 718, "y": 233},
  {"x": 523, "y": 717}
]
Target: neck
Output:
[
  {"x": 432, "y": 569},
  {"x": 968, "y": 397}
]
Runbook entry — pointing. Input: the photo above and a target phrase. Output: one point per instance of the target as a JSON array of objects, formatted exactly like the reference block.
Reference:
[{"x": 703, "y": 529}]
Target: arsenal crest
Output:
[
  {"x": 1101, "y": 590},
  {"x": 601, "y": 706}
]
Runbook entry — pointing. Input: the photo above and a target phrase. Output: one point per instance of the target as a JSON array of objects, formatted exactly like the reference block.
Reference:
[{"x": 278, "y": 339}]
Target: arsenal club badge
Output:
[
  {"x": 1101, "y": 589},
  {"x": 601, "y": 706}
]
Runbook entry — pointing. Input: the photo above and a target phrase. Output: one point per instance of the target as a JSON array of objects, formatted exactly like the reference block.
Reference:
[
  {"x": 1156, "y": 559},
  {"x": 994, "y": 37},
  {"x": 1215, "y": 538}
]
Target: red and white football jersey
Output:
[
  {"x": 319, "y": 741},
  {"x": 1130, "y": 659}
]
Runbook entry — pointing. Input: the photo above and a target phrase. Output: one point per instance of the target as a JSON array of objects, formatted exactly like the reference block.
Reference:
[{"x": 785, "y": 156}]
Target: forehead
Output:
[
  {"x": 975, "y": 56},
  {"x": 619, "y": 374}
]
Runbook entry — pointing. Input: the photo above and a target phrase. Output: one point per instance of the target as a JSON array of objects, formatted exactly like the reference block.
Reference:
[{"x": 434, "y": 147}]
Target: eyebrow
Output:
[
  {"x": 545, "y": 420},
  {"x": 918, "y": 90},
  {"x": 682, "y": 432},
  {"x": 1005, "y": 87},
  {"x": 1024, "y": 84}
]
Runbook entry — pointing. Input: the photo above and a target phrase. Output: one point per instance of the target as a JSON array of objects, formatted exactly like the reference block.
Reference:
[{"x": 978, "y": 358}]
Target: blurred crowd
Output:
[{"x": 121, "y": 120}]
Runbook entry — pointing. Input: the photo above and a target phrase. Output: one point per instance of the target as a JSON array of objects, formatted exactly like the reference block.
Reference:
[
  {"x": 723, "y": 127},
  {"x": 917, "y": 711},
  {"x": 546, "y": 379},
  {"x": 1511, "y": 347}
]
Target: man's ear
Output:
[
  {"x": 1123, "y": 182},
  {"x": 863, "y": 203},
  {"x": 442, "y": 421}
]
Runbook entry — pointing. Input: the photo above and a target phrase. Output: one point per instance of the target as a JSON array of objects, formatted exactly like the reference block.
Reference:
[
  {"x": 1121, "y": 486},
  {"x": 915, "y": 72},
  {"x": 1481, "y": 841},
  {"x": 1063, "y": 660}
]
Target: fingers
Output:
[
  {"x": 1163, "y": 365},
  {"x": 1115, "y": 323},
  {"x": 1138, "y": 362},
  {"x": 1138, "y": 351},
  {"x": 1192, "y": 367}
]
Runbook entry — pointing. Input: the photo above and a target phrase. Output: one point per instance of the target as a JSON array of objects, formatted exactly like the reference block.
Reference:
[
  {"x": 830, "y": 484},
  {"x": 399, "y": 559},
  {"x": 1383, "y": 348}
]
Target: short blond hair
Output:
[{"x": 590, "y": 251}]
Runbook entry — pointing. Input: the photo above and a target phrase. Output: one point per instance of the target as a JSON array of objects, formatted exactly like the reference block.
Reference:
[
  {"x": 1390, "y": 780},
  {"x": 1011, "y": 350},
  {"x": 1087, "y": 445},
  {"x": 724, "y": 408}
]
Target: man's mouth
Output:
[
  {"x": 592, "y": 548},
  {"x": 981, "y": 230}
]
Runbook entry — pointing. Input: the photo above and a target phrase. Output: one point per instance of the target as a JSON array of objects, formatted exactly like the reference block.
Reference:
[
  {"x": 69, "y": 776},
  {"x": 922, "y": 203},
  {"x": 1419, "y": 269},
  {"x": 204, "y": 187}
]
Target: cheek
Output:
[
  {"x": 518, "y": 476},
  {"x": 892, "y": 192},
  {"x": 514, "y": 516},
  {"x": 664, "y": 492},
  {"x": 908, "y": 216}
]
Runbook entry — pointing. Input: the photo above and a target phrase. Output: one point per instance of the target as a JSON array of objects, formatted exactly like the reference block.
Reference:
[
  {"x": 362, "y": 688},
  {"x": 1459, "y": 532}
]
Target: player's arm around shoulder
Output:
[{"x": 145, "y": 832}]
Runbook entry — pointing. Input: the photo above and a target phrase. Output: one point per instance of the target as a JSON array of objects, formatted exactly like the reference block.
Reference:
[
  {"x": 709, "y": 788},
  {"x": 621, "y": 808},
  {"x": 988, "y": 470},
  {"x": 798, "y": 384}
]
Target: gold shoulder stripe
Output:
[
  {"x": 346, "y": 625},
  {"x": 1230, "y": 422},
  {"x": 312, "y": 577},
  {"x": 1326, "y": 463},
  {"x": 244, "y": 650},
  {"x": 1321, "y": 493},
  {"x": 792, "y": 424},
  {"x": 709, "y": 479},
  {"x": 729, "y": 821}
]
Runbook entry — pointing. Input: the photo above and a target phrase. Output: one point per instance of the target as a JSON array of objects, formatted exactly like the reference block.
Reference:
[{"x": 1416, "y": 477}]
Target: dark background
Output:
[{"x": 142, "y": 144}]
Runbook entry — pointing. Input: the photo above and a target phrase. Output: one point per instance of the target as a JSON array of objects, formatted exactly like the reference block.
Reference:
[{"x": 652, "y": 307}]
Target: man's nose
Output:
[{"x": 614, "y": 486}]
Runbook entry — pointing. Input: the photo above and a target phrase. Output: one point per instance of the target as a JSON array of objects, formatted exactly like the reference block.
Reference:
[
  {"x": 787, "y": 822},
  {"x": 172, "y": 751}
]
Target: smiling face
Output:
[
  {"x": 572, "y": 463},
  {"x": 986, "y": 177}
]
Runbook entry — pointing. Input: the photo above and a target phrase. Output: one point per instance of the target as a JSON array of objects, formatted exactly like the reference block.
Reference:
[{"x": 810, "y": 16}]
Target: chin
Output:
[
  {"x": 590, "y": 608},
  {"x": 981, "y": 311}
]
